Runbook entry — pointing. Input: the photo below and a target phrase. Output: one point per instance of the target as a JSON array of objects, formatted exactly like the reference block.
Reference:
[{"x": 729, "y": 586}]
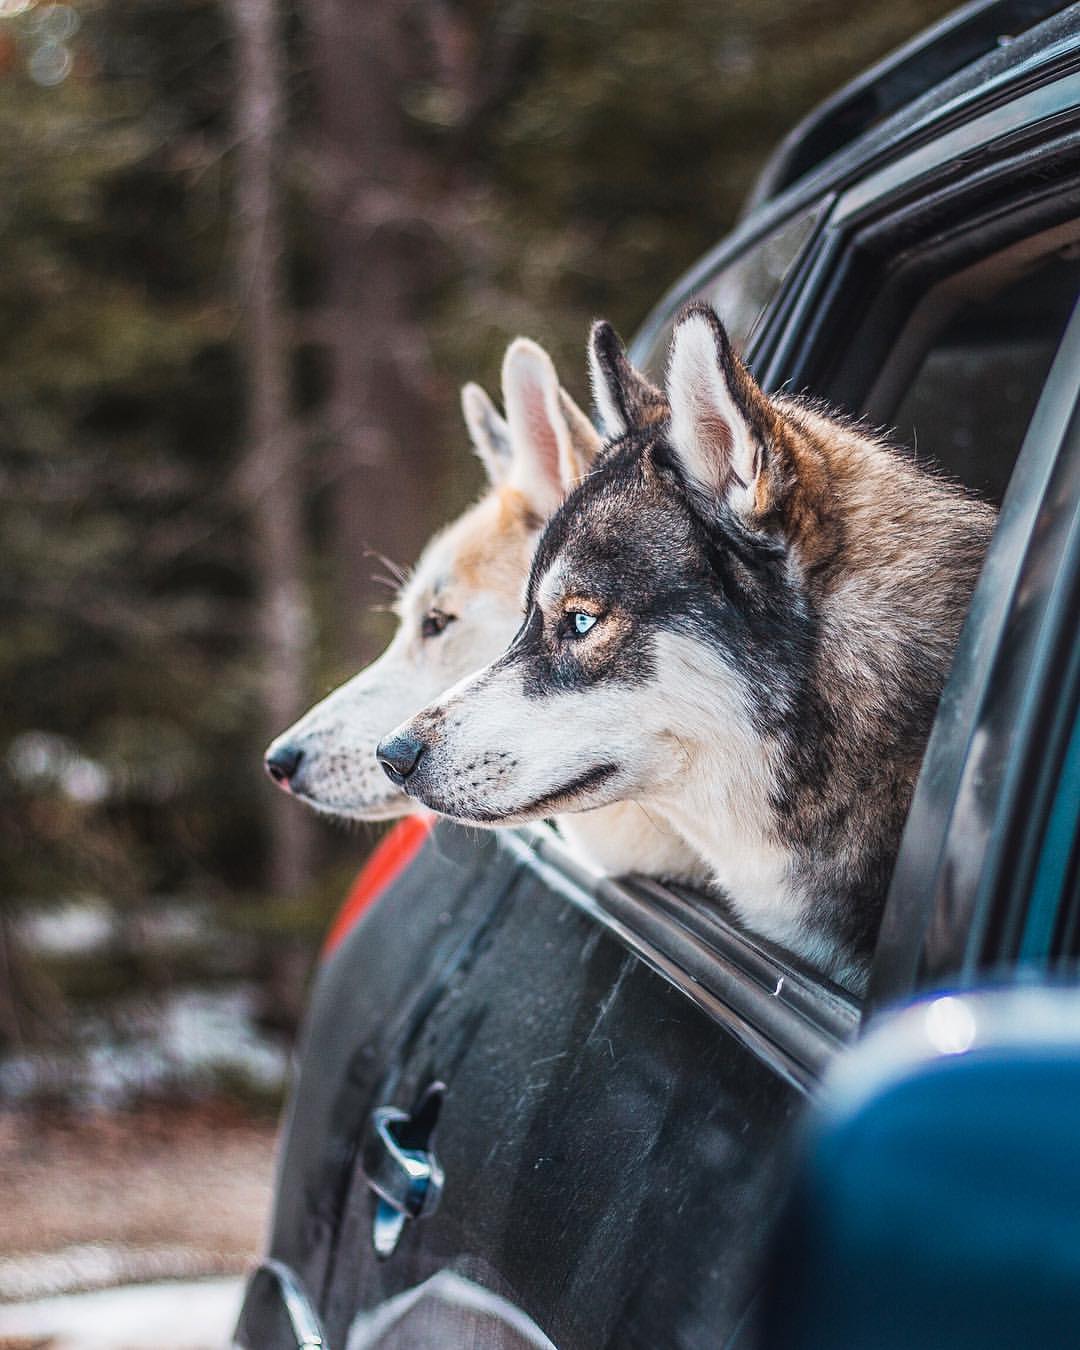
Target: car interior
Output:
[{"x": 962, "y": 381}]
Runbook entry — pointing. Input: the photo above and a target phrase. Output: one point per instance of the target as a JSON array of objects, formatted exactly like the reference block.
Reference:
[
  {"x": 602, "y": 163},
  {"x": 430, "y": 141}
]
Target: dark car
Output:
[{"x": 535, "y": 1107}]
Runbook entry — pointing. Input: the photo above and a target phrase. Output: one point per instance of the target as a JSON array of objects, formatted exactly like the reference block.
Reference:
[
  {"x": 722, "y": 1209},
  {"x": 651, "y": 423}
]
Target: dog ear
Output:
[
  {"x": 719, "y": 417},
  {"x": 488, "y": 432},
  {"x": 552, "y": 440},
  {"x": 623, "y": 395}
]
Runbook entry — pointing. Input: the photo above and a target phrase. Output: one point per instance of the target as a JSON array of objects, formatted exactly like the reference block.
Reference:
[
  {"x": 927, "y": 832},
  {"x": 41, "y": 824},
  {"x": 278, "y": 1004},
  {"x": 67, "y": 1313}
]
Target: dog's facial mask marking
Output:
[
  {"x": 463, "y": 600},
  {"x": 573, "y": 713}
]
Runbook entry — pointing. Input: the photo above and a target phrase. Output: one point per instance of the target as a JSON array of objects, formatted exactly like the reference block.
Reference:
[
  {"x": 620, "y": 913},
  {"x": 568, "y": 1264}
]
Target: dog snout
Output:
[
  {"x": 399, "y": 755},
  {"x": 282, "y": 762}
]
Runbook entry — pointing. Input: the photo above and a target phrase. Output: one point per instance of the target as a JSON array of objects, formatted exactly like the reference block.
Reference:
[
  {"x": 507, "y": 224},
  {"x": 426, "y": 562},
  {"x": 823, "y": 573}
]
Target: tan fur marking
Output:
[{"x": 498, "y": 538}]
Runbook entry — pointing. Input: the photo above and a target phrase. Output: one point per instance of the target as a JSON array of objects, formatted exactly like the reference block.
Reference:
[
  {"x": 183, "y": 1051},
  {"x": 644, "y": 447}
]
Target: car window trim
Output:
[
  {"x": 847, "y": 240},
  {"x": 789, "y": 1017},
  {"x": 1001, "y": 127}
]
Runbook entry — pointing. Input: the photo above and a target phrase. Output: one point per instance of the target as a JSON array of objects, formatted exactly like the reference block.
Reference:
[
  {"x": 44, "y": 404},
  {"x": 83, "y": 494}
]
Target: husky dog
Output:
[
  {"x": 457, "y": 611},
  {"x": 741, "y": 619}
]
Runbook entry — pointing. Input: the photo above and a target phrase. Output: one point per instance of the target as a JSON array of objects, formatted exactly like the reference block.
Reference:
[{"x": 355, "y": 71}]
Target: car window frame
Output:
[
  {"x": 797, "y": 327},
  {"x": 868, "y": 233},
  {"x": 914, "y": 949}
]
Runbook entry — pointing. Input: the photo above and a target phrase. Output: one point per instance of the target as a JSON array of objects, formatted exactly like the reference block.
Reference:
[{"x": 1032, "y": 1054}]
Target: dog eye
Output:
[
  {"x": 434, "y": 621},
  {"x": 582, "y": 622}
]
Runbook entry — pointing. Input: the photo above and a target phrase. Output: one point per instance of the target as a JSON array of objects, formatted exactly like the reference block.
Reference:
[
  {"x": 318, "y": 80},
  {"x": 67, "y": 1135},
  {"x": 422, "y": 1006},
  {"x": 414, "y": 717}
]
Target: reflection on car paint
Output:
[{"x": 447, "y": 1310}]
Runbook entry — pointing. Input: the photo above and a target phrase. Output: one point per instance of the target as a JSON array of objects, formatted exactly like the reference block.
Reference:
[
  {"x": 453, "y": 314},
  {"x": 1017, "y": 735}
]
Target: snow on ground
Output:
[
  {"x": 140, "y": 1196},
  {"x": 185, "y": 1040},
  {"x": 195, "y": 1315}
]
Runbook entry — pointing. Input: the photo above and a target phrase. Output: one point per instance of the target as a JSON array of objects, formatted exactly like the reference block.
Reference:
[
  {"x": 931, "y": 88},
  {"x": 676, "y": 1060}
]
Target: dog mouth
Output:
[
  {"x": 548, "y": 803},
  {"x": 373, "y": 810}
]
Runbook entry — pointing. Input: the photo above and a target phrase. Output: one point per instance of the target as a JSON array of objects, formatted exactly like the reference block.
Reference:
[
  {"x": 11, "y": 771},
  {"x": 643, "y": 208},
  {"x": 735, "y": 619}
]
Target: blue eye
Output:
[{"x": 583, "y": 622}]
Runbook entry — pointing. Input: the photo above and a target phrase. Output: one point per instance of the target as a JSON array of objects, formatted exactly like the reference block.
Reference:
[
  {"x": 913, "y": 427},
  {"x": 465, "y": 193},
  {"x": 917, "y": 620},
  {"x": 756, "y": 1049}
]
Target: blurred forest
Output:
[{"x": 250, "y": 251}]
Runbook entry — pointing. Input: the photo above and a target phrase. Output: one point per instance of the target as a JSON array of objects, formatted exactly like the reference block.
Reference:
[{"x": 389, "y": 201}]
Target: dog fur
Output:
[
  {"x": 459, "y": 608},
  {"x": 741, "y": 619}
]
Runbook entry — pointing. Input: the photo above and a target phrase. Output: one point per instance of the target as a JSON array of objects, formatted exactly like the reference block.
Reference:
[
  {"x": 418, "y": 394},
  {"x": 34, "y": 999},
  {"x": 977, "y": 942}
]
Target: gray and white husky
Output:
[
  {"x": 741, "y": 619},
  {"x": 457, "y": 610}
]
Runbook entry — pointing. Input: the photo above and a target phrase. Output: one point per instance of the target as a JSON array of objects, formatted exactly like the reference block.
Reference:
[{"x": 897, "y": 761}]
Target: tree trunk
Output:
[
  {"x": 271, "y": 480},
  {"x": 378, "y": 254}
]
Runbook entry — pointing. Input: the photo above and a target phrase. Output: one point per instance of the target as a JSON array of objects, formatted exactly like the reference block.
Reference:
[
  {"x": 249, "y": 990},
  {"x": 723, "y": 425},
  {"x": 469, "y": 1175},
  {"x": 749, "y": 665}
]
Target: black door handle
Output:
[{"x": 399, "y": 1165}]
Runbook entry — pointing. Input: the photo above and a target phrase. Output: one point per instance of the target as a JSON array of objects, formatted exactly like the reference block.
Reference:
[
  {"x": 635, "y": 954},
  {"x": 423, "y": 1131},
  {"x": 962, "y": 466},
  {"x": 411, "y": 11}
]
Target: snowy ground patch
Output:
[{"x": 195, "y": 1315}]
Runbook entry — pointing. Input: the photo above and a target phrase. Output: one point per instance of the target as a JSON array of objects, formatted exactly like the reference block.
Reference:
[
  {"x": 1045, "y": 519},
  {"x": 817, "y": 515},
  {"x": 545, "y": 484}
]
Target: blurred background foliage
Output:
[{"x": 249, "y": 253}]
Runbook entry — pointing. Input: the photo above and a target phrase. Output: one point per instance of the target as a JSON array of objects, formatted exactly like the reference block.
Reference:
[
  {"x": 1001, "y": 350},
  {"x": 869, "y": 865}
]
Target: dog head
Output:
[
  {"x": 462, "y": 601},
  {"x": 665, "y": 609}
]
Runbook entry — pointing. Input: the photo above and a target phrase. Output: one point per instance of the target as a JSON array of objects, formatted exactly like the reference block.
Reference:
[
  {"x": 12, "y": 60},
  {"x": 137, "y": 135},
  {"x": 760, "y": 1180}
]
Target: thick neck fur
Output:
[
  {"x": 796, "y": 800},
  {"x": 626, "y": 838}
]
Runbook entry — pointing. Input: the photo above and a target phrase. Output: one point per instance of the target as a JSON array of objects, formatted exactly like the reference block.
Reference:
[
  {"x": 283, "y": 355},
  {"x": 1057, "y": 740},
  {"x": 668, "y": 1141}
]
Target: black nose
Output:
[
  {"x": 399, "y": 756},
  {"x": 282, "y": 762}
]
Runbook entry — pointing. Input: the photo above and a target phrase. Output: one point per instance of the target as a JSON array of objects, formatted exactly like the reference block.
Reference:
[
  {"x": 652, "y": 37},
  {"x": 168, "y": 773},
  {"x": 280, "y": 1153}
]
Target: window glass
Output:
[
  {"x": 744, "y": 289},
  {"x": 981, "y": 345}
]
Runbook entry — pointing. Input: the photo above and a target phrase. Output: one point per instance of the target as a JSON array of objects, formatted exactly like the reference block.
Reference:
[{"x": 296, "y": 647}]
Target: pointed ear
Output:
[
  {"x": 623, "y": 395},
  {"x": 719, "y": 417},
  {"x": 488, "y": 432},
  {"x": 551, "y": 438}
]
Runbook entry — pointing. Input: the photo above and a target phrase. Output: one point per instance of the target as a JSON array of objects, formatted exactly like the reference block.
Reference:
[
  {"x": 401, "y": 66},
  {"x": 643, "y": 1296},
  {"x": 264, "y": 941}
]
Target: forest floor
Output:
[
  {"x": 88, "y": 1201},
  {"x": 129, "y": 1230}
]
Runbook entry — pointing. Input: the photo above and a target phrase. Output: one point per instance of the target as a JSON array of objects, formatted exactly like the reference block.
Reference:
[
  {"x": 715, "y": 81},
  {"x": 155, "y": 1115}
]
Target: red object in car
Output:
[{"x": 389, "y": 860}]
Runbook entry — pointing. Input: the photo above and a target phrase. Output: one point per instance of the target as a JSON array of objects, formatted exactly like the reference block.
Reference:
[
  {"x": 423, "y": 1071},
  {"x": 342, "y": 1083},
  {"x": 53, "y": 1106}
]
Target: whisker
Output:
[{"x": 395, "y": 569}]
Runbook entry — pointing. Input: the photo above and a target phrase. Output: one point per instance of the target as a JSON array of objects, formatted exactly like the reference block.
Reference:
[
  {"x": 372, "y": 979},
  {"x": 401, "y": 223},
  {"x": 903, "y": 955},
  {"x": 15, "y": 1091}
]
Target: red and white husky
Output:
[{"x": 457, "y": 610}]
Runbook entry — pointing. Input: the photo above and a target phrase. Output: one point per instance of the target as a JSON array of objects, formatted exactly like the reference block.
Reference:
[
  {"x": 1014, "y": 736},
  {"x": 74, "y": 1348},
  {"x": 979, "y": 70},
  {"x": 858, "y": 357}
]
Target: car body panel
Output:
[{"x": 593, "y": 1114}]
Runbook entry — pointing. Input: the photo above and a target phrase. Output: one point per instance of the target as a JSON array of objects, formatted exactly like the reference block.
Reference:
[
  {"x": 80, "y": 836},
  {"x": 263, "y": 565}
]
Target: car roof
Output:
[{"x": 895, "y": 84}]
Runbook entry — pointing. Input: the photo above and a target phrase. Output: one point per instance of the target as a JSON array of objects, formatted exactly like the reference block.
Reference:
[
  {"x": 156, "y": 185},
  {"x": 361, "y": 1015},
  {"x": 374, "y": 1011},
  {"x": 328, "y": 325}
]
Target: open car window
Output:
[
  {"x": 961, "y": 384},
  {"x": 959, "y": 359},
  {"x": 949, "y": 346},
  {"x": 909, "y": 301}
]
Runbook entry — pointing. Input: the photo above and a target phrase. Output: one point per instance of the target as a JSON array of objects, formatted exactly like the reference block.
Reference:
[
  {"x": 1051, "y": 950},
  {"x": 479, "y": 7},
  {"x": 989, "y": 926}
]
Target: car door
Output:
[
  {"x": 617, "y": 1070},
  {"x": 607, "y": 1116}
]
